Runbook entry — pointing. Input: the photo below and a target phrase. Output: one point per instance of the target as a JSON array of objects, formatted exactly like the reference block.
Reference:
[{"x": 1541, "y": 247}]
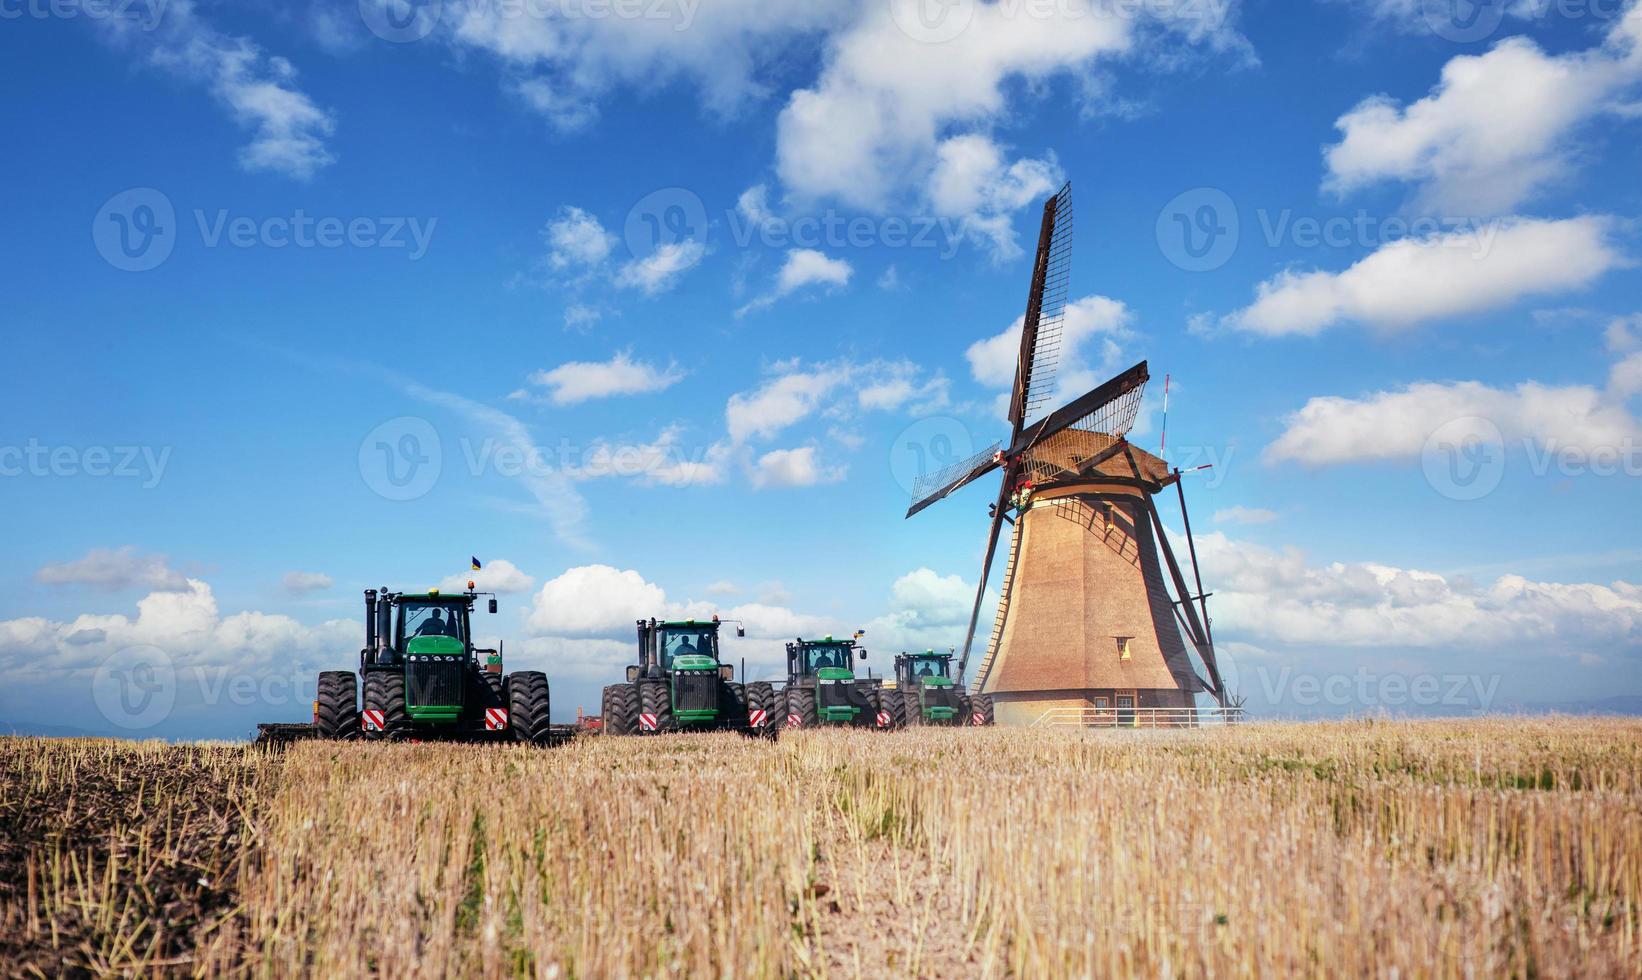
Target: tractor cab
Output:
[
  {"x": 433, "y": 625},
  {"x": 835, "y": 657},
  {"x": 913, "y": 669}
]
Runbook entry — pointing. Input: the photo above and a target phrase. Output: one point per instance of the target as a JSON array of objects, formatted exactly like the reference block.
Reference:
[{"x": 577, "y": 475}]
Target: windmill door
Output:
[{"x": 1125, "y": 709}]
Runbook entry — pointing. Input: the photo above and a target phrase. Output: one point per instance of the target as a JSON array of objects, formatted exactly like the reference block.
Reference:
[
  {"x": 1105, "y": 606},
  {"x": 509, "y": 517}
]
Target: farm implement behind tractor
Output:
[
  {"x": 422, "y": 679},
  {"x": 680, "y": 684}
]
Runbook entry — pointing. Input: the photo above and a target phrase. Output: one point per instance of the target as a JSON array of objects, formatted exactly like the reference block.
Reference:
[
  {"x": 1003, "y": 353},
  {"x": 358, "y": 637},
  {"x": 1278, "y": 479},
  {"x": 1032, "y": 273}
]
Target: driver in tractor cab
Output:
[
  {"x": 434, "y": 626},
  {"x": 928, "y": 670},
  {"x": 685, "y": 648},
  {"x": 823, "y": 658}
]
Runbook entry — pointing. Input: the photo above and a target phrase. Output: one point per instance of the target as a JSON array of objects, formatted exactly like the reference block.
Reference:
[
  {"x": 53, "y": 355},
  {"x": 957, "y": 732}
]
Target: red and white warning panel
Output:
[
  {"x": 647, "y": 721},
  {"x": 793, "y": 721},
  {"x": 374, "y": 721},
  {"x": 495, "y": 719},
  {"x": 883, "y": 719},
  {"x": 758, "y": 717}
]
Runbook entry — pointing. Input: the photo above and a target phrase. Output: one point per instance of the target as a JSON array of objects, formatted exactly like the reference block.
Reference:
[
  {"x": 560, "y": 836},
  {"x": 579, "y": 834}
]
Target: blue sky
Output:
[{"x": 677, "y": 296}]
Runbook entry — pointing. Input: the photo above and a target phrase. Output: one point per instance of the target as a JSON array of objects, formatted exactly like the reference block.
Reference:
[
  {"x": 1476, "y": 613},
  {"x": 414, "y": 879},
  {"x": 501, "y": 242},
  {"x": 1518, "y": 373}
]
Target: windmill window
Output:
[{"x": 1123, "y": 647}]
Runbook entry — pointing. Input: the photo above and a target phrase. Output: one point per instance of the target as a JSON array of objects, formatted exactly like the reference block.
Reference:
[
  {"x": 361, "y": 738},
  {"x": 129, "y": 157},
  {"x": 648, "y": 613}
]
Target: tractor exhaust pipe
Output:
[
  {"x": 384, "y": 628},
  {"x": 370, "y": 620}
]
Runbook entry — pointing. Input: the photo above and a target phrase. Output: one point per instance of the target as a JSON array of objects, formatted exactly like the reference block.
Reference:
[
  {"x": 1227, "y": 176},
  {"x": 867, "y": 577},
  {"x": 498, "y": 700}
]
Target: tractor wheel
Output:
[
  {"x": 620, "y": 710},
  {"x": 337, "y": 713},
  {"x": 962, "y": 717},
  {"x": 761, "y": 697},
  {"x": 385, "y": 693},
  {"x": 492, "y": 690},
  {"x": 528, "y": 706},
  {"x": 801, "y": 705},
  {"x": 655, "y": 699},
  {"x": 911, "y": 710},
  {"x": 981, "y": 704},
  {"x": 733, "y": 697},
  {"x": 890, "y": 703}
]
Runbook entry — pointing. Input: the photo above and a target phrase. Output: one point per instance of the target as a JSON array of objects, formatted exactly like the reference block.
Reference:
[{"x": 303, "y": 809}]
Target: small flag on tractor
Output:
[{"x": 476, "y": 565}]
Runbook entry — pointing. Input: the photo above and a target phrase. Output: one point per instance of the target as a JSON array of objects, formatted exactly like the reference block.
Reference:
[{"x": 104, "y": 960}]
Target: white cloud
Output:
[
  {"x": 258, "y": 89},
  {"x": 580, "y": 317},
  {"x": 298, "y": 583},
  {"x": 664, "y": 461},
  {"x": 780, "y": 402},
  {"x": 606, "y": 602},
  {"x": 1266, "y": 595},
  {"x": 579, "y": 381},
  {"x": 973, "y": 183},
  {"x": 113, "y": 569},
  {"x": 576, "y": 239},
  {"x": 661, "y": 270},
  {"x": 1623, "y": 333},
  {"x": 1392, "y": 425},
  {"x": 1497, "y": 127},
  {"x": 186, "y": 625},
  {"x": 1244, "y": 515},
  {"x": 498, "y": 575},
  {"x": 928, "y": 610},
  {"x": 992, "y": 361},
  {"x": 723, "y": 587},
  {"x": 754, "y": 205},
  {"x": 799, "y": 467},
  {"x": 1413, "y": 281},
  {"x": 803, "y": 267}
]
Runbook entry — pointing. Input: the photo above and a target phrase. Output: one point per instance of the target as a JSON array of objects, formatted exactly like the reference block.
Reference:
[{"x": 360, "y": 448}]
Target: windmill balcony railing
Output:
[{"x": 1073, "y": 717}]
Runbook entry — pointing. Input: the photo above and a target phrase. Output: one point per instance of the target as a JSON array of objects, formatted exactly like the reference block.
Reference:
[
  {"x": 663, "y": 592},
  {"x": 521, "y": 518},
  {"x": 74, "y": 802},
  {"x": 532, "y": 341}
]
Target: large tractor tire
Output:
[
  {"x": 981, "y": 705},
  {"x": 337, "y": 711},
  {"x": 890, "y": 703},
  {"x": 385, "y": 693},
  {"x": 801, "y": 705},
  {"x": 528, "y": 706},
  {"x": 655, "y": 699},
  {"x": 962, "y": 717},
  {"x": 761, "y": 697},
  {"x": 620, "y": 710},
  {"x": 733, "y": 702},
  {"x": 911, "y": 709}
]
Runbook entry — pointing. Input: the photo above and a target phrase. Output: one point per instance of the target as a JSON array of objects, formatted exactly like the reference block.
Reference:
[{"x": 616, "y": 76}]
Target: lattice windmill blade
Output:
[
  {"x": 1087, "y": 433},
  {"x": 933, "y": 486},
  {"x": 1045, "y": 311}
]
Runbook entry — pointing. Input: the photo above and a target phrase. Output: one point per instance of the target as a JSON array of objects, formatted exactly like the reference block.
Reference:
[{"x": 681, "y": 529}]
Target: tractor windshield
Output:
[
  {"x": 928, "y": 666},
  {"x": 818, "y": 655},
  {"x": 432, "y": 619},
  {"x": 687, "y": 641}
]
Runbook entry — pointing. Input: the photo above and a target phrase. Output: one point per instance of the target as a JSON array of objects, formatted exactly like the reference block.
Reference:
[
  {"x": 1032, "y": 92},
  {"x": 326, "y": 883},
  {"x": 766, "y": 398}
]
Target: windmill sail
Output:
[
  {"x": 1045, "y": 317},
  {"x": 933, "y": 486}
]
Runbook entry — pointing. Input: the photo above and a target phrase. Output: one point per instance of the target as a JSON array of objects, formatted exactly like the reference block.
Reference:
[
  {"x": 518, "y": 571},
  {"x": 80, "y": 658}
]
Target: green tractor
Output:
[
  {"x": 680, "y": 684},
  {"x": 423, "y": 679},
  {"x": 929, "y": 696},
  {"x": 822, "y": 688}
]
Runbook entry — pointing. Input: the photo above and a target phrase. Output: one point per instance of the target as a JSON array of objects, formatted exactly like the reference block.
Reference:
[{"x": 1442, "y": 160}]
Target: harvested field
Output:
[{"x": 1450, "y": 848}]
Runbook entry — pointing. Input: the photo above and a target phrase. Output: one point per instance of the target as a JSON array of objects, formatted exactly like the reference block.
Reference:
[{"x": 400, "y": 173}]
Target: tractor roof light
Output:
[{"x": 470, "y": 585}]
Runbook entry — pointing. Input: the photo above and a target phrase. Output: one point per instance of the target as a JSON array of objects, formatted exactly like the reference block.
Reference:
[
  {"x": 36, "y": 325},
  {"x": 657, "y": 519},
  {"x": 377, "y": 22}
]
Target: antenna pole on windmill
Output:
[{"x": 1163, "y": 440}]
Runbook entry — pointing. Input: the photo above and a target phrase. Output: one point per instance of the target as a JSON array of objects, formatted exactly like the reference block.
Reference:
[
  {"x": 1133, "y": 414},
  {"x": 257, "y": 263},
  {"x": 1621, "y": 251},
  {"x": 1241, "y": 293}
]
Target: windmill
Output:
[{"x": 1086, "y": 617}]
